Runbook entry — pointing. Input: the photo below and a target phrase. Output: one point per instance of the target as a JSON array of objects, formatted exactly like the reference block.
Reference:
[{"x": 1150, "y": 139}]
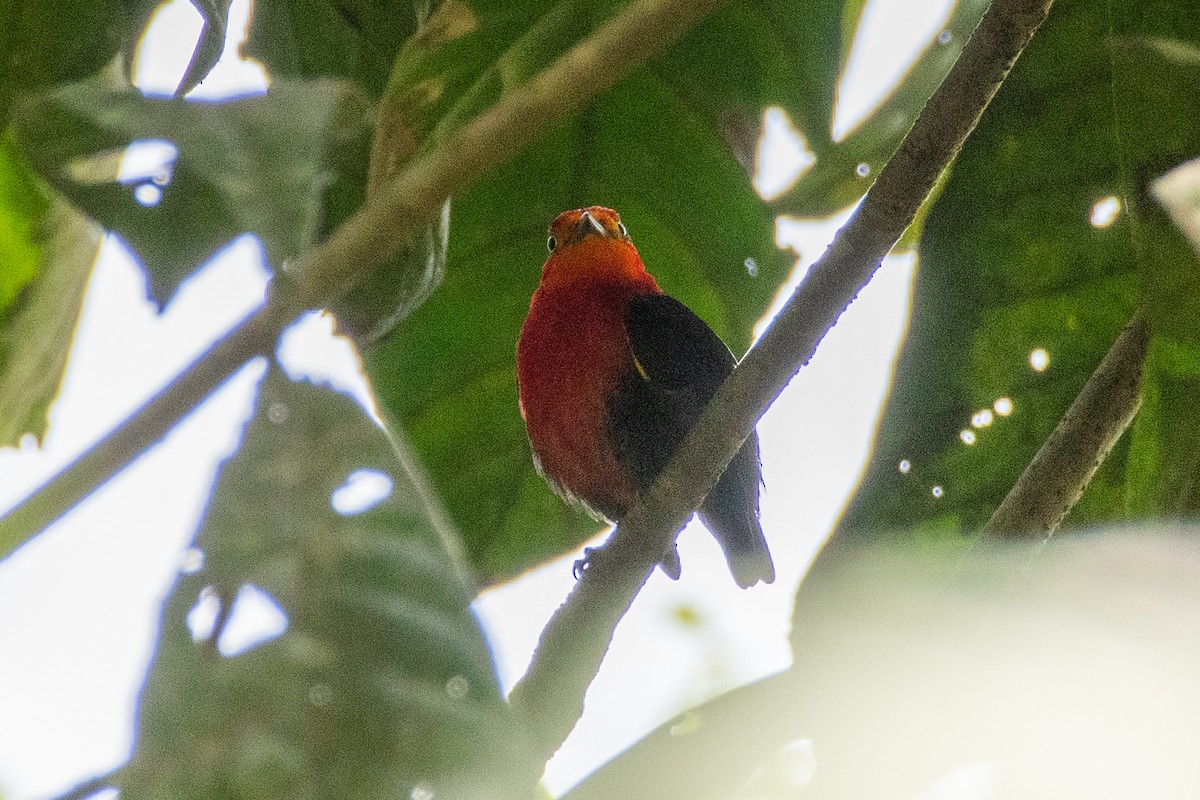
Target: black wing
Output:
[{"x": 677, "y": 365}]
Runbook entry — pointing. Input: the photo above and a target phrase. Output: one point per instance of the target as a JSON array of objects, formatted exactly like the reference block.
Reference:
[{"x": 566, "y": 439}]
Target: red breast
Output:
[{"x": 574, "y": 351}]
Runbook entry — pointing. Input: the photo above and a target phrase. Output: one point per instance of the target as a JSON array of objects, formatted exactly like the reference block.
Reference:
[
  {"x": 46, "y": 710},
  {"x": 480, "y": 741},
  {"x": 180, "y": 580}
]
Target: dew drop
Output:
[
  {"x": 904, "y": 466},
  {"x": 457, "y": 687},
  {"x": 421, "y": 793},
  {"x": 862, "y": 170},
  {"x": 1039, "y": 359},
  {"x": 1003, "y": 406},
  {"x": 937, "y": 491},
  {"x": 688, "y": 616},
  {"x": 968, "y": 437},
  {"x": 1105, "y": 211},
  {"x": 320, "y": 695},
  {"x": 690, "y": 722},
  {"x": 751, "y": 267},
  {"x": 945, "y": 37},
  {"x": 795, "y": 764},
  {"x": 202, "y": 618},
  {"x": 278, "y": 412},
  {"x": 982, "y": 418},
  {"x": 192, "y": 561}
]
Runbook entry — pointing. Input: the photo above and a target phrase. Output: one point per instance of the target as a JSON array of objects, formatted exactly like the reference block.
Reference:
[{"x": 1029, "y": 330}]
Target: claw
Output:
[{"x": 583, "y": 564}]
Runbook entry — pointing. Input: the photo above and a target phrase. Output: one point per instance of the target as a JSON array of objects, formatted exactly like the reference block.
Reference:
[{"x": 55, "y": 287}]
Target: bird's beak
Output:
[{"x": 595, "y": 223}]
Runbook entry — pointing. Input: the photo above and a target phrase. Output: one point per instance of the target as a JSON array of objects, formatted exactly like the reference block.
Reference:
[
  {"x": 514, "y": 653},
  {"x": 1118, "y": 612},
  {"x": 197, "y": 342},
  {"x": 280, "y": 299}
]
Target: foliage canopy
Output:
[{"x": 382, "y": 684}]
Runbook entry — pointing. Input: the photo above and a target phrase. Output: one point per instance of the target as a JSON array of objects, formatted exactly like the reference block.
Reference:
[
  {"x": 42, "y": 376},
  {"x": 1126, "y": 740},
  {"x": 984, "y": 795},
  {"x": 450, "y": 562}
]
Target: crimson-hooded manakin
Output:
[{"x": 612, "y": 374}]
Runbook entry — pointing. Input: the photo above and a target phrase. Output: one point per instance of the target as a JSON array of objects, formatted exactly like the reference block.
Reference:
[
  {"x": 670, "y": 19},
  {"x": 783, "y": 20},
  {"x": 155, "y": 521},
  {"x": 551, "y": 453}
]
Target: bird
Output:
[{"x": 612, "y": 373}]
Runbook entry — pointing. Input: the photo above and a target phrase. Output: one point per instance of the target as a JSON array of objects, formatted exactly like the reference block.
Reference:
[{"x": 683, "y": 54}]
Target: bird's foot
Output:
[{"x": 582, "y": 565}]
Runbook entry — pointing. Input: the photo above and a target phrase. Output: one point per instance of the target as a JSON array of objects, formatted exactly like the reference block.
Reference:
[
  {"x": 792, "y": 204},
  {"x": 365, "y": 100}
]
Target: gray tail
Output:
[{"x": 730, "y": 512}]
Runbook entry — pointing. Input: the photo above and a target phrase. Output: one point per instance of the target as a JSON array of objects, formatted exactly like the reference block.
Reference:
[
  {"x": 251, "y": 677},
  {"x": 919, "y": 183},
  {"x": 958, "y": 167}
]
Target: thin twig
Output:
[
  {"x": 574, "y": 642},
  {"x": 1055, "y": 479},
  {"x": 374, "y": 235}
]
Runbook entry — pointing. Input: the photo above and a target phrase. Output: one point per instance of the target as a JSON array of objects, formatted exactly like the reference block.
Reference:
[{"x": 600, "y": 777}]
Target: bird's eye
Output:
[
  {"x": 552, "y": 243},
  {"x": 621, "y": 227}
]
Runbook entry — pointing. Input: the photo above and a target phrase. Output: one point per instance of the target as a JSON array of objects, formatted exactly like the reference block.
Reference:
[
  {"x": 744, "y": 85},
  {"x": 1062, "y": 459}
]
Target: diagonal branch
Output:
[
  {"x": 374, "y": 235},
  {"x": 254, "y": 336},
  {"x": 1055, "y": 479},
  {"x": 575, "y": 641}
]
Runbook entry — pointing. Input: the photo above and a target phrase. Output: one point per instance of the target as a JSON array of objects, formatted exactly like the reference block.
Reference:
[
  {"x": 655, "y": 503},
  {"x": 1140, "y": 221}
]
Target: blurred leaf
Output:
[
  {"x": 1010, "y": 264},
  {"x": 258, "y": 164},
  {"x": 24, "y": 203},
  {"x": 1157, "y": 86},
  {"x": 706, "y": 753},
  {"x": 47, "y": 250},
  {"x": 354, "y": 39},
  {"x": 368, "y": 43},
  {"x": 1178, "y": 192},
  {"x": 381, "y": 686},
  {"x": 379, "y": 301},
  {"x": 1164, "y": 456},
  {"x": 753, "y": 55},
  {"x": 834, "y": 181},
  {"x": 42, "y": 44},
  {"x": 653, "y": 150},
  {"x": 1164, "y": 452},
  {"x": 928, "y": 666}
]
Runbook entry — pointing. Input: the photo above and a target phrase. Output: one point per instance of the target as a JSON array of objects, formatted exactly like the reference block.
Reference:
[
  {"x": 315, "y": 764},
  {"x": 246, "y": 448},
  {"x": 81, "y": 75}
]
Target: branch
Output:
[
  {"x": 1055, "y": 479},
  {"x": 574, "y": 642},
  {"x": 374, "y": 235},
  {"x": 254, "y": 336}
]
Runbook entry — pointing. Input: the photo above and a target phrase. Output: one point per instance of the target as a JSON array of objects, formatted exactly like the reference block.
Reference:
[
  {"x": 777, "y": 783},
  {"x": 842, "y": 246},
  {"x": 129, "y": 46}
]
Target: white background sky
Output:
[{"x": 79, "y": 604}]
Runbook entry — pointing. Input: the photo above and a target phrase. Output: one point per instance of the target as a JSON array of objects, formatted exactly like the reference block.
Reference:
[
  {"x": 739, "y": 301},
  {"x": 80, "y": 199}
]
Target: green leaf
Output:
[
  {"x": 357, "y": 40},
  {"x": 382, "y": 682},
  {"x": 47, "y": 250},
  {"x": 451, "y": 69},
  {"x": 257, "y": 165},
  {"x": 1156, "y": 119},
  {"x": 1164, "y": 453},
  {"x": 24, "y": 202},
  {"x": 753, "y": 55},
  {"x": 1009, "y": 264},
  {"x": 385, "y": 297},
  {"x": 42, "y": 44},
  {"x": 425, "y": 77}
]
